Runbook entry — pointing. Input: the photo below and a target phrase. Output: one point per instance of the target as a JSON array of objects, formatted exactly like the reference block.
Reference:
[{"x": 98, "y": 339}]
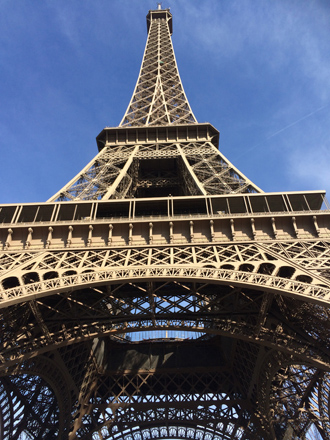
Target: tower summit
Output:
[{"x": 162, "y": 294}]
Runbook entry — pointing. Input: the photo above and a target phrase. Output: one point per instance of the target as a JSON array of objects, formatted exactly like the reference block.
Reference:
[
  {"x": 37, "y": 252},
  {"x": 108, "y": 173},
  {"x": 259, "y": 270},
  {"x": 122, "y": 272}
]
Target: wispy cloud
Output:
[
  {"x": 310, "y": 168},
  {"x": 281, "y": 34},
  {"x": 281, "y": 130}
]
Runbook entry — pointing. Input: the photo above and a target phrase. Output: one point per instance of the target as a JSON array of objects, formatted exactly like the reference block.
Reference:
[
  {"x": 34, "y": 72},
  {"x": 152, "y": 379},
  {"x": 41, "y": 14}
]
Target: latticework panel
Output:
[
  {"x": 184, "y": 168},
  {"x": 259, "y": 265},
  {"x": 135, "y": 306},
  {"x": 168, "y": 399},
  {"x": 294, "y": 398},
  {"x": 214, "y": 173},
  {"x": 143, "y": 386},
  {"x": 28, "y": 405},
  {"x": 94, "y": 181},
  {"x": 158, "y": 98},
  {"x": 34, "y": 401},
  {"x": 264, "y": 302},
  {"x": 150, "y": 388}
]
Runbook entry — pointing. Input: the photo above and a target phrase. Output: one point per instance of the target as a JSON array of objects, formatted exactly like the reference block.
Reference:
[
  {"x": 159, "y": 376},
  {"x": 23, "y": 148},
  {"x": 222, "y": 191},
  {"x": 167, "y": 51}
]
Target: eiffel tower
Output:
[{"x": 161, "y": 294}]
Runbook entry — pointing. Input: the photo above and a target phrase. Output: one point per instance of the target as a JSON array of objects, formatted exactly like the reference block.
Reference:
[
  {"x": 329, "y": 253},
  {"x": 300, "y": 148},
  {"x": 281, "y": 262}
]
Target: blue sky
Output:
[{"x": 258, "y": 70}]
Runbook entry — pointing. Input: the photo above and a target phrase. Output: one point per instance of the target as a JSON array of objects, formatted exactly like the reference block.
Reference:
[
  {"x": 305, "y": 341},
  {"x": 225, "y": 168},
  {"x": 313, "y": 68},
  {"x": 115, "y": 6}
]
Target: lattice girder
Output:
[
  {"x": 112, "y": 172},
  {"x": 127, "y": 306},
  {"x": 293, "y": 395},
  {"x": 158, "y": 98},
  {"x": 117, "y": 304},
  {"x": 197, "y": 308},
  {"x": 36, "y": 400},
  {"x": 253, "y": 264},
  {"x": 156, "y": 395}
]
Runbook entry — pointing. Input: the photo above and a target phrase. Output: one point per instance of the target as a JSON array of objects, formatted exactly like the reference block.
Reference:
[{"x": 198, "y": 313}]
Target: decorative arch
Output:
[
  {"x": 54, "y": 282},
  {"x": 129, "y": 306}
]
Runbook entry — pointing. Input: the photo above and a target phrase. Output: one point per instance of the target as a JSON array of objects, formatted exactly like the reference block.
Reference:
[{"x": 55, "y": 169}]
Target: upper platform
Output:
[{"x": 160, "y": 14}]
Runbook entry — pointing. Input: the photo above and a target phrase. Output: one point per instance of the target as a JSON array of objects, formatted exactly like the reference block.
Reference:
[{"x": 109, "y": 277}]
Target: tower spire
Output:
[{"x": 158, "y": 98}]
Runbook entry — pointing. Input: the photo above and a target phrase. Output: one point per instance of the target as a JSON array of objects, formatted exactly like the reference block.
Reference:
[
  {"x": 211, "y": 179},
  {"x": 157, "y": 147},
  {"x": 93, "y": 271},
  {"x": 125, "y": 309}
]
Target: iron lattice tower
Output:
[{"x": 160, "y": 293}]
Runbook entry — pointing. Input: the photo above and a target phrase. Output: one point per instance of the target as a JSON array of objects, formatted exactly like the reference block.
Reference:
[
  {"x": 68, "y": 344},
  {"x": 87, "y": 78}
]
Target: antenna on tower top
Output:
[{"x": 159, "y": 4}]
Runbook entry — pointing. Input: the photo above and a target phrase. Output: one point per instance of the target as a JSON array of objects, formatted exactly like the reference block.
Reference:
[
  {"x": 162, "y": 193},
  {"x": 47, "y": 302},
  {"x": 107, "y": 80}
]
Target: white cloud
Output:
[
  {"x": 280, "y": 34},
  {"x": 310, "y": 167}
]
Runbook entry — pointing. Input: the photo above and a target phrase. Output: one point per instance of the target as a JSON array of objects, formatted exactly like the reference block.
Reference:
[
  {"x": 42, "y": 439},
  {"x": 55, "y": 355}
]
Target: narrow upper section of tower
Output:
[{"x": 158, "y": 98}]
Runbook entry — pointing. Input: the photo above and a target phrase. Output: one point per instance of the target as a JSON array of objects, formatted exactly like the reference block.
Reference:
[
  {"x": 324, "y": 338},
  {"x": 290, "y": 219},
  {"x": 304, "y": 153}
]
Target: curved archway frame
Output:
[
  {"x": 204, "y": 321},
  {"x": 267, "y": 283}
]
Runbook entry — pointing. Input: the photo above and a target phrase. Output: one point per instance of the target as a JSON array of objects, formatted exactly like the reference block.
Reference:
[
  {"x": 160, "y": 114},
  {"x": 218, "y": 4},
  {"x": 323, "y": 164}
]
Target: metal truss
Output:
[
  {"x": 258, "y": 322},
  {"x": 161, "y": 294},
  {"x": 218, "y": 412},
  {"x": 306, "y": 384},
  {"x": 187, "y": 168},
  {"x": 251, "y": 322},
  {"x": 269, "y": 266},
  {"x": 158, "y": 98},
  {"x": 267, "y": 297},
  {"x": 34, "y": 399},
  {"x": 192, "y": 310},
  {"x": 194, "y": 168}
]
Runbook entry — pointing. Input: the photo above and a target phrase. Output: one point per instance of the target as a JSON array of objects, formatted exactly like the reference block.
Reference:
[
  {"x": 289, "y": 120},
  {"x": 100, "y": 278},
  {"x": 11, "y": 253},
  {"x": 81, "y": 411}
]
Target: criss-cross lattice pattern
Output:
[
  {"x": 217, "y": 388},
  {"x": 116, "y": 172},
  {"x": 158, "y": 98},
  {"x": 175, "y": 389}
]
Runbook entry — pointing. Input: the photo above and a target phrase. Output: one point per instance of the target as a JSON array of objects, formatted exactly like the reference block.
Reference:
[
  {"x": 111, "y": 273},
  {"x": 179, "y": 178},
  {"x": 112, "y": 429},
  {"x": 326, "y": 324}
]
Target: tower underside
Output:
[{"x": 161, "y": 294}]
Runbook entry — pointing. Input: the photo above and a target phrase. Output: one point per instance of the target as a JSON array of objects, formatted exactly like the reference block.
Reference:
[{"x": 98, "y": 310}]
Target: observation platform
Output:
[{"x": 165, "y": 220}]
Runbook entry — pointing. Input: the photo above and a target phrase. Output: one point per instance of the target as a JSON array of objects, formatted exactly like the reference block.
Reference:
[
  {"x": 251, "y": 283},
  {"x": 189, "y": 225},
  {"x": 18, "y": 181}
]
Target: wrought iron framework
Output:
[{"x": 160, "y": 293}]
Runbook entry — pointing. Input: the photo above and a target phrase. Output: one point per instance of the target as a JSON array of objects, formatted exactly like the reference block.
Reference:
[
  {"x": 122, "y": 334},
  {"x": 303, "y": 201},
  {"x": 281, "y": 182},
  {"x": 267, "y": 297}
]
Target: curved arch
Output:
[
  {"x": 169, "y": 432},
  {"x": 203, "y": 420},
  {"x": 31, "y": 277},
  {"x": 50, "y": 275},
  {"x": 286, "y": 271},
  {"x": 26, "y": 414},
  {"x": 125, "y": 309},
  {"x": 304, "y": 278},
  {"x": 54, "y": 283},
  {"x": 291, "y": 396},
  {"x": 69, "y": 273},
  {"x": 227, "y": 266},
  {"x": 266, "y": 268},
  {"x": 246, "y": 267},
  {"x": 324, "y": 403},
  {"x": 10, "y": 282}
]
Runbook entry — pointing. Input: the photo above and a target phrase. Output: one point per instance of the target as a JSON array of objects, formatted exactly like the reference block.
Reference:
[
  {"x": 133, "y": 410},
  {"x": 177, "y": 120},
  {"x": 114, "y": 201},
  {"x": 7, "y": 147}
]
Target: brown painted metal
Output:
[{"x": 160, "y": 293}]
